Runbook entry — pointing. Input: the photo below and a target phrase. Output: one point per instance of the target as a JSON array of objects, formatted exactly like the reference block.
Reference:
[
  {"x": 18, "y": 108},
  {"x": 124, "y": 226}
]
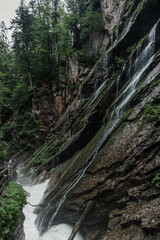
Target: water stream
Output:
[{"x": 59, "y": 232}]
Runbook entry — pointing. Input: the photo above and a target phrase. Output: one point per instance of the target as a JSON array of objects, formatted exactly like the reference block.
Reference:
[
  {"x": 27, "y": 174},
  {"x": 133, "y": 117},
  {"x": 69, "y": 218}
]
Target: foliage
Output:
[
  {"x": 152, "y": 112},
  {"x": 119, "y": 61},
  {"x": 155, "y": 82},
  {"x": 42, "y": 157},
  {"x": 13, "y": 199},
  {"x": 83, "y": 18},
  {"x": 156, "y": 180},
  {"x": 131, "y": 49}
]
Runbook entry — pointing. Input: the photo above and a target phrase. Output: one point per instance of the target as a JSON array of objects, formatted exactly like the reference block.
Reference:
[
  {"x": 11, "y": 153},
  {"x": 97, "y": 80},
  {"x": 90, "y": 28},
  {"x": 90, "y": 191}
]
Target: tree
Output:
[{"x": 22, "y": 40}]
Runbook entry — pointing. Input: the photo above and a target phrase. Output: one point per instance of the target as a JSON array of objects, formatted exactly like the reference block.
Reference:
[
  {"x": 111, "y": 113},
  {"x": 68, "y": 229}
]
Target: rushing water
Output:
[{"x": 59, "y": 232}]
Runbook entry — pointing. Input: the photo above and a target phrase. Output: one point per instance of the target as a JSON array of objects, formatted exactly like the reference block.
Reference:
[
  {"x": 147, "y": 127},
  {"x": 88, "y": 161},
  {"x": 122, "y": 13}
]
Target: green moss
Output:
[
  {"x": 152, "y": 112},
  {"x": 92, "y": 104},
  {"x": 127, "y": 114},
  {"x": 88, "y": 152},
  {"x": 42, "y": 157},
  {"x": 115, "y": 133},
  {"x": 119, "y": 61},
  {"x": 156, "y": 180},
  {"x": 13, "y": 199},
  {"x": 155, "y": 82},
  {"x": 130, "y": 6},
  {"x": 131, "y": 49}
]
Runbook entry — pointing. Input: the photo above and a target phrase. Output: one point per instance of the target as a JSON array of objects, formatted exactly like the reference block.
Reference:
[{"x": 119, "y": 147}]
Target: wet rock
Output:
[{"x": 19, "y": 232}]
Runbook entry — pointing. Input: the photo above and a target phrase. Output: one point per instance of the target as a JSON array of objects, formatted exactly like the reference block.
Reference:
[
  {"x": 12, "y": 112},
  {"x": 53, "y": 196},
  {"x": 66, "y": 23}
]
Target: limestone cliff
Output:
[{"x": 106, "y": 146}]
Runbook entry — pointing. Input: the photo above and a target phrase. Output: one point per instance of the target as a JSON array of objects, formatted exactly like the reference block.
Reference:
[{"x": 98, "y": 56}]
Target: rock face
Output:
[
  {"x": 106, "y": 147},
  {"x": 112, "y": 12},
  {"x": 19, "y": 233}
]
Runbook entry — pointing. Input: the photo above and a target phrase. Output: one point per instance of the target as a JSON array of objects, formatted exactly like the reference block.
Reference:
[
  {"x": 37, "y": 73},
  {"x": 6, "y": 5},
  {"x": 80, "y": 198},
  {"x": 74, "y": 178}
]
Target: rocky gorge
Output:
[{"x": 104, "y": 145}]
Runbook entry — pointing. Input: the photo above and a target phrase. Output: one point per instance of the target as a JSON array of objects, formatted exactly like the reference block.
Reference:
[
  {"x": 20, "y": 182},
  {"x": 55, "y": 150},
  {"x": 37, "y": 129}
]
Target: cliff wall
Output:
[{"x": 105, "y": 148}]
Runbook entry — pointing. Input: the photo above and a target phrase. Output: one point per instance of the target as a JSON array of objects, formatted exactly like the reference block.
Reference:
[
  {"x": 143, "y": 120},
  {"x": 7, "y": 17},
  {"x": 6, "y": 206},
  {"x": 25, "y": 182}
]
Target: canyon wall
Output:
[{"x": 105, "y": 147}]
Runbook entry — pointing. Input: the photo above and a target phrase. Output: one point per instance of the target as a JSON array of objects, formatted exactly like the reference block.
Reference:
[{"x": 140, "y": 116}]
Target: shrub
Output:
[
  {"x": 152, "y": 112},
  {"x": 12, "y": 201},
  {"x": 156, "y": 180},
  {"x": 119, "y": 61}
]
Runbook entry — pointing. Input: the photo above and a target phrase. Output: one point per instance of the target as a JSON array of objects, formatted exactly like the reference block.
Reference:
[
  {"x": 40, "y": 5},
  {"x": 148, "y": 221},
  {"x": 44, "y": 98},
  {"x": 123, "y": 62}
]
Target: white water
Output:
[
  {"x": 59, "y": 232},
  {"x": 96, "y": 93},
  {"x": 138, "y": 67}
]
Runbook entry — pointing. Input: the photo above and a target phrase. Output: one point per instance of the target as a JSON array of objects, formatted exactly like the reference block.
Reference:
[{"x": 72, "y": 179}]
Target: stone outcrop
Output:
[{"x": 113, "y": 12}]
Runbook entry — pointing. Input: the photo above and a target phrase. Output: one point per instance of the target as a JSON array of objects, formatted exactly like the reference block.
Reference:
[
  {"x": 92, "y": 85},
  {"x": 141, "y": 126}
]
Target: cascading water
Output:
[
  {"x": 135, "y": 73},
  {"x": 59, "y": 232},
  {"x": 96, "y": 93}
]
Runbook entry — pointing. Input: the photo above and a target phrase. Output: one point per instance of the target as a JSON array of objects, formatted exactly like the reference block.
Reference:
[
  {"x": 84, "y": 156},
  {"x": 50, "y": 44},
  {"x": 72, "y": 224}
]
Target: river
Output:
[{"x": 59, "y": 232}]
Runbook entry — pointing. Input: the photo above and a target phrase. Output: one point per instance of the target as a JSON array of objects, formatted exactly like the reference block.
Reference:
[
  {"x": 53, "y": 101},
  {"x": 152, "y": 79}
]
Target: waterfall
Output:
[
  {"x": 114, "y": 37},
  {"x": 59, "y": 232},
  {"x": 96, "y": 93},
  {"x": 35, "y": 195},
  {"x": 135, "y": 73}
]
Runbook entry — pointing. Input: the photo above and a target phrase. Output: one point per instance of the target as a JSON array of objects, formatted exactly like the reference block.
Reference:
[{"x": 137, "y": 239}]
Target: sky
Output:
[{"x": 7, "y": 11}]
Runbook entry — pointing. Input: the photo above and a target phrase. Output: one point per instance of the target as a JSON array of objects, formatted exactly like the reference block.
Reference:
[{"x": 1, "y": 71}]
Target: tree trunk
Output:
[{"x": 81, "y": 219}]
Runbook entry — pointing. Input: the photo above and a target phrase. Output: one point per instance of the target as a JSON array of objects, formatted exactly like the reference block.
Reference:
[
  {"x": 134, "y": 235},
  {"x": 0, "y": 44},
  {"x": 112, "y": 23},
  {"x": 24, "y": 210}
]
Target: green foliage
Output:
[
  {"x": 152, "y": 112},
  {"x": 155, "y": 82},
  {"x": 83, "y": 58},
  {"x": 13, "y": 199},
  {"x": 21, "y": 92},
  {"x": 42, "y": 157},
  {"x": 92, "y": 21},
  {"x": 119, "y": 61},
  {"x": 131, "y": 49},
  {"x": 84, "y": 17},
  {"x": 18, "y": 134},
  {"x": 156, "y": 180}
]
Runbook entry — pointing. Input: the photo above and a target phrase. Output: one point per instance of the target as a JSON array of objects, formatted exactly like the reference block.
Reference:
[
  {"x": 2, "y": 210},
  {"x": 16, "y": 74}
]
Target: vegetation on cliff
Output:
[{"x": 11, "y": 203}]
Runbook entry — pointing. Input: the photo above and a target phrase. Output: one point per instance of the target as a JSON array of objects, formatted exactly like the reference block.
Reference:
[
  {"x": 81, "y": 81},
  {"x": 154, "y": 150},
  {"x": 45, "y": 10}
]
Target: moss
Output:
[
  {"x": 42, "y": 157},
  {"x": 131, "y": 49},
  {"x": 156, "y": 180},
  {"x": 88, "y": 108},
  {"x": 90, "y": 151},
  {"x": 130, "y": 6},
  {"x": 155, "y": 82},
  {"x": 115, "y": 133},
  {"x": 119, "y": 61},
  {"x": 152, "y": 112},
  {"x": 86, "y": 155},
  {"x": 127, "y": 114}
]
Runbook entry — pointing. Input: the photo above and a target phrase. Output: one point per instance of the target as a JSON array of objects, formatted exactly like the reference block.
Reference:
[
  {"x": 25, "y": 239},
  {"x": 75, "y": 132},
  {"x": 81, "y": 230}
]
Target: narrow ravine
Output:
[{"x": 59, "y": 232}]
